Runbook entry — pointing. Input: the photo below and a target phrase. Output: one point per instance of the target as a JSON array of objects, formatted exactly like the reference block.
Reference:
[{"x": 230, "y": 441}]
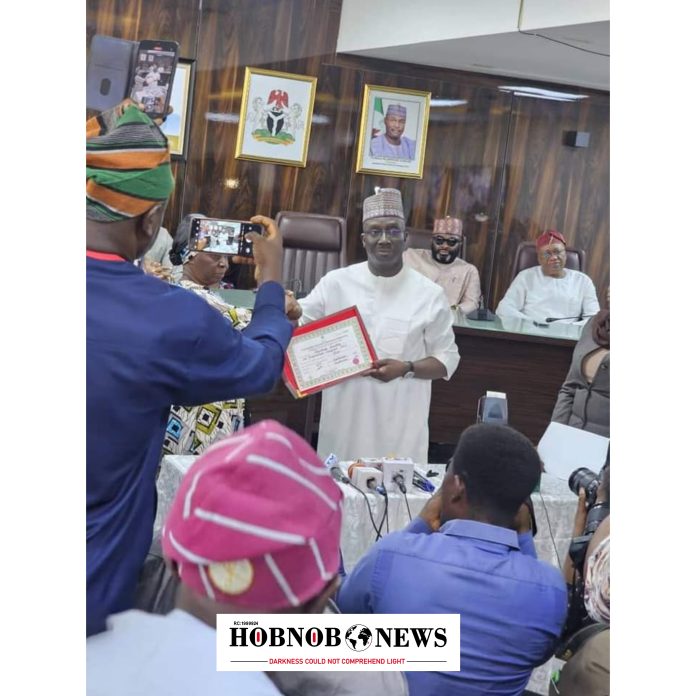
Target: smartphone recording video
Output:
[
  {"x": 222, "y": 236},
  {"x": 153, "y": 77}
]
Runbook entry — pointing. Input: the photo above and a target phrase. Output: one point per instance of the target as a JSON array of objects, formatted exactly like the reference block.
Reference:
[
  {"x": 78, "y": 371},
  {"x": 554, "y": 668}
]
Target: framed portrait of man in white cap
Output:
[{"x": 393, "y": 132}]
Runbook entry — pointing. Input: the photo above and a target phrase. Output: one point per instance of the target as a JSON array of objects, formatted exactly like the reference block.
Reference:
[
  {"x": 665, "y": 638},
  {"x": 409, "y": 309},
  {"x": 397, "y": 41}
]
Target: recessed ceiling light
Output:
[
  {"x": 222, "y": 118},
  {"x": 448, "y": 102},
  {"x": 523, "y": 91},
  {"x": 539, "y": 96}
]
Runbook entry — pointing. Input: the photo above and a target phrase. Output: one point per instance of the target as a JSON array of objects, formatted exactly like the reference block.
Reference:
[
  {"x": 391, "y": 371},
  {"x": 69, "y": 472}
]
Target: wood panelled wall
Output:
[{"x": 496, "y": 157}]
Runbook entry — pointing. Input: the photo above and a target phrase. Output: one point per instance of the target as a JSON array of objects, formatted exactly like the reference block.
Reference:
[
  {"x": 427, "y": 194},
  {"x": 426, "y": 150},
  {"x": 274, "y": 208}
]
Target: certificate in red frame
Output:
[{"x": 326, "y": 352}]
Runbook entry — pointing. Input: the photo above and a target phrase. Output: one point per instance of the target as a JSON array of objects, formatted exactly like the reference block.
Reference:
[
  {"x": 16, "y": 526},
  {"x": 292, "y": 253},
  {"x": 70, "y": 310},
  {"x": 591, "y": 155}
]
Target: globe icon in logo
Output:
[{"x": 358, "y": 637}]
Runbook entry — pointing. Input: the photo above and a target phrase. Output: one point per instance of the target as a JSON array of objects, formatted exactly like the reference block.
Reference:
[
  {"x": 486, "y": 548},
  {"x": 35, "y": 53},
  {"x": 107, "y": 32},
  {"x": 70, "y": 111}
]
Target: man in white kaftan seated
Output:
[{"x": 550, "y": 290}]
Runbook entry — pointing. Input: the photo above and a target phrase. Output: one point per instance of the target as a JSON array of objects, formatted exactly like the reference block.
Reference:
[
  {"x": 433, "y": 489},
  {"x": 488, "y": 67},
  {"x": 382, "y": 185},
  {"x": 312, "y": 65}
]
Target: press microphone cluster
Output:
[
  {"x": 391, "y": 474},
  {"x": 381, "y": 475}
]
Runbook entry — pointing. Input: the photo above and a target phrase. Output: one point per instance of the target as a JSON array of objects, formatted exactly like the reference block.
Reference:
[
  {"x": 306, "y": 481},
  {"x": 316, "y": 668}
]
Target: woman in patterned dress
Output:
[{"x": 191, "y": 429}]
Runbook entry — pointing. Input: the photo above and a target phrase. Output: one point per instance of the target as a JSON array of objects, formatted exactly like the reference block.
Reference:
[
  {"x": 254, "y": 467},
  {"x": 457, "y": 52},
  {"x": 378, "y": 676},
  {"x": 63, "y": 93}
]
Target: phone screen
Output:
[
  {"x": 222, "y": 236},
  {"x": 154, "y": 73}
]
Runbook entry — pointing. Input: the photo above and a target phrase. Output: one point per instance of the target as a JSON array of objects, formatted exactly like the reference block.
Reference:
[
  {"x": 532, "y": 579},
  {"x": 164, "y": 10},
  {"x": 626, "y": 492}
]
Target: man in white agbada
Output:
[
  {"x": 441, "y": 263},
  {"x": 550, "y": 289},
  {"x": 409, "y": 322}
]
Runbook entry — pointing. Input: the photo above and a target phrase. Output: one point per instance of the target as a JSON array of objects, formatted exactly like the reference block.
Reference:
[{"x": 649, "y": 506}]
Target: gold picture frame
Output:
[
  {"x": 177, "y": 124},
  {"x": 275, "y": 119},
  {"x": 397, "y": 150}
]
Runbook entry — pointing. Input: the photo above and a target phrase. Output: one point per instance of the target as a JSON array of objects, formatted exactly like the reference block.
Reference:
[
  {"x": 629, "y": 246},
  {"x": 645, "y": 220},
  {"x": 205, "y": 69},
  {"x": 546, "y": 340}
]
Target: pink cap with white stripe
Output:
[{"x": 256, "y": 521}]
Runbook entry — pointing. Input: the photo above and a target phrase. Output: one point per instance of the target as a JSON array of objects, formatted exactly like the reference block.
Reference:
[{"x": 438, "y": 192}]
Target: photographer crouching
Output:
[{"x": 585, "y": 639}]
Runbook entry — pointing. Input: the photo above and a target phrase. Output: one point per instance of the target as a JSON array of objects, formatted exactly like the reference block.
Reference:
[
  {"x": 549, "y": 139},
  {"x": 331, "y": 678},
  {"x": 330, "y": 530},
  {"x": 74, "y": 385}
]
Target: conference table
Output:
[
  {"x": 526, "y": 361},
  {"x": 554, "y": 507}
]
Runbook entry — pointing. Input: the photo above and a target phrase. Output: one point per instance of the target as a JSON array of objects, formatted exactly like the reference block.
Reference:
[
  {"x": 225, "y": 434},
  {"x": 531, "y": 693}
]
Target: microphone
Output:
[
  {"x": 398, "y": 479},
  {"x": 381, "y": 490},
  {"x": 481, "y": 313},
  {"x": 364, "y": 477},
  {"x": 421, "y": 482},
  {"x": 548, "y": 320},
  {"x": 337, "y": 474}
]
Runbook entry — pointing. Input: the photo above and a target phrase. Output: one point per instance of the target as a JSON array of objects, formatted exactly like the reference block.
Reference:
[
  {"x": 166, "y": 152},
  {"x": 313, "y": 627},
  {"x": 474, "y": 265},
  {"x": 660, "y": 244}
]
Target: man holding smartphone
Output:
[{"x": 149, "y": 345}]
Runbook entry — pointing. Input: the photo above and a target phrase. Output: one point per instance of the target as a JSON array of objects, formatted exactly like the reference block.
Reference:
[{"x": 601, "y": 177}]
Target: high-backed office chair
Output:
[
  {"x": 526, "y": 257},
  {"x": 313, "y": 245},
  {"x": 421, "y": 239}
]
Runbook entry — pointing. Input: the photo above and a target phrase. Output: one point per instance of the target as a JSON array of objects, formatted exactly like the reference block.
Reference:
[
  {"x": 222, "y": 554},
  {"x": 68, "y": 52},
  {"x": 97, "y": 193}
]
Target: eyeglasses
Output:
[
  {"x": 389, "y": 232},
  {"x": 449, "y": 241},
  {"x": 559, "y": 253}
]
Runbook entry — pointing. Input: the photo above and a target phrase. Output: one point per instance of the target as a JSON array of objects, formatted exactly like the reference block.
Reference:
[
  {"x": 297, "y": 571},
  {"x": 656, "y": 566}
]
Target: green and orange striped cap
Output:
[{"x": 128, "y": 168}]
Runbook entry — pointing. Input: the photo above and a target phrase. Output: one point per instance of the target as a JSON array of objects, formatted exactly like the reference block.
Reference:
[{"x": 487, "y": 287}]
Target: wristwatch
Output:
[{"x": 410, "y": 372}]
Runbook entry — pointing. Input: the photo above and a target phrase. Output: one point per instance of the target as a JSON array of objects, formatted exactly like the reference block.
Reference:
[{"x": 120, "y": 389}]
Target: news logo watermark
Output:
[{"x": 348, "y": 642}]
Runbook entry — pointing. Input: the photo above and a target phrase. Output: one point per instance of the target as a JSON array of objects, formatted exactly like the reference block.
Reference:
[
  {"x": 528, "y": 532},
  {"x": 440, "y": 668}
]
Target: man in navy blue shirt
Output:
[
  {"x": 464, "y": 555},
  {"x": 151, "y": 345}
]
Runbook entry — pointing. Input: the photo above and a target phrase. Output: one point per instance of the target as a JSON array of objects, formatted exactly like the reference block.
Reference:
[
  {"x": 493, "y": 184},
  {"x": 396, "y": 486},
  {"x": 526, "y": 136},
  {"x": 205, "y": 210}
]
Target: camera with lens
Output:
[
  {"x": 584, "y": 478},
  {"x": 578, "y": 620},
  {"x": 596, "y": 511}
]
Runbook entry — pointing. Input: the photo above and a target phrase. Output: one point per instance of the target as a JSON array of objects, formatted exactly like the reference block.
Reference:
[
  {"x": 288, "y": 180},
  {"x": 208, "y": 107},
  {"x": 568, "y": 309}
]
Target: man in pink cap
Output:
[
  {"x": 254, "y": 527},
  {"x": 550, "y": 290},
  {"x": 442, "y": 265}
]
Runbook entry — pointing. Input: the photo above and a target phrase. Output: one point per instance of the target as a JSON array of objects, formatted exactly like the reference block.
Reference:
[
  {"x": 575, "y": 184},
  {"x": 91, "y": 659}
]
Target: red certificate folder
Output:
[{"x": 345, "y": 318}]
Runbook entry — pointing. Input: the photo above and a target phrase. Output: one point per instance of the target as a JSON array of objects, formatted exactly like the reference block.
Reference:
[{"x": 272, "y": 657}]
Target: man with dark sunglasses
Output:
[{"x": 443, "y": 265}]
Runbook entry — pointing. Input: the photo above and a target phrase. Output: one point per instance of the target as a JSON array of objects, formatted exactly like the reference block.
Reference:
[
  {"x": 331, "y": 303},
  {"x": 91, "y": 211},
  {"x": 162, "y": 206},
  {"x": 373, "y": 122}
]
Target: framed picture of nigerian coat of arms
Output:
[{"x": 276, "y": 117}]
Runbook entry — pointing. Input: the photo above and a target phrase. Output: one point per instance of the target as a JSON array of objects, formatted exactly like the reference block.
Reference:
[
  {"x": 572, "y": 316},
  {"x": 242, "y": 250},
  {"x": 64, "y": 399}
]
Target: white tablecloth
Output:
[
  {"x": 357, "y": 533},
  {"x": 554, "y": 508}
]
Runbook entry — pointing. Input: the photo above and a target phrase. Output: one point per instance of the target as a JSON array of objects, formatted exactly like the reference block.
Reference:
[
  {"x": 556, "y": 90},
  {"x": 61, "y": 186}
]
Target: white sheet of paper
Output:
[{"x": 564, "y": 449}]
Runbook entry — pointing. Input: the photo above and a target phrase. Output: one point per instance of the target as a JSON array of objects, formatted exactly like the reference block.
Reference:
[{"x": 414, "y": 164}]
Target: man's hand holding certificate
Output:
[{"x": 326, "y": 352}]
